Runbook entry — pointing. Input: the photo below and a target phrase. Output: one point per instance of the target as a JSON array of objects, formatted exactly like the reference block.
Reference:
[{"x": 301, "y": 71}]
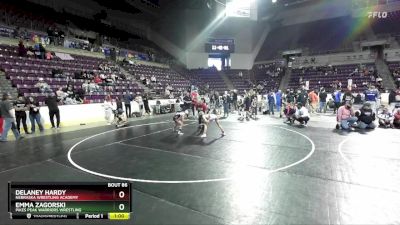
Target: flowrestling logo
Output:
[{"x": 376, "y": 14}]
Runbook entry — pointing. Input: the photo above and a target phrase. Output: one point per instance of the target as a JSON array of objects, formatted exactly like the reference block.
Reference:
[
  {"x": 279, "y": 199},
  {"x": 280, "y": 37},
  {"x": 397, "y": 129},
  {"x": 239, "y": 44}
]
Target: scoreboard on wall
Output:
[
  {"x": 220, "y": 45},
  {"x": 92, "y": 200}
]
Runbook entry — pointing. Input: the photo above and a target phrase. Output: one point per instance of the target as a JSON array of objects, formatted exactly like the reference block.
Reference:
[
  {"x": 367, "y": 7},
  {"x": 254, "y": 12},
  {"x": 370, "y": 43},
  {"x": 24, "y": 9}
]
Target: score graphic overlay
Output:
[{"x": 94, "y": 200}]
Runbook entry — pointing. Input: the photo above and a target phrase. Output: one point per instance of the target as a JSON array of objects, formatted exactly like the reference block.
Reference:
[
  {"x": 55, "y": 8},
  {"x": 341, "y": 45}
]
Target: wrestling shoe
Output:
[{"x": 337, "y": 127}]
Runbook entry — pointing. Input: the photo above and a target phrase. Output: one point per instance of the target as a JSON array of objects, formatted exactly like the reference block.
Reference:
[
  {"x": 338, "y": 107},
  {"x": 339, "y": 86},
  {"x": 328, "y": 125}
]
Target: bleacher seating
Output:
[
  {"x": 268, "y": 75},
  {"x": 163, "y": 75},
  {"x": 208, "y": 76},
  {"x": 24, "y": 73},
  {"x": 325, "y": 77},
  {"x": 240, "y": 83},
  {"x": 394, "y": 68}
]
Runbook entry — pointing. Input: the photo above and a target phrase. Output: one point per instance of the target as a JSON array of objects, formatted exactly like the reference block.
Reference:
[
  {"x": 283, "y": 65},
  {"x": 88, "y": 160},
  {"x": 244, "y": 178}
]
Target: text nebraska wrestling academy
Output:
[{"x": 43, "y": 195}]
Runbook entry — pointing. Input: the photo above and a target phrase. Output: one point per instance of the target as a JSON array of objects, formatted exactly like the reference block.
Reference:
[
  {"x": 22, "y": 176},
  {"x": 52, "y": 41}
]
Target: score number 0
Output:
[{"x": 121, "y": 206}]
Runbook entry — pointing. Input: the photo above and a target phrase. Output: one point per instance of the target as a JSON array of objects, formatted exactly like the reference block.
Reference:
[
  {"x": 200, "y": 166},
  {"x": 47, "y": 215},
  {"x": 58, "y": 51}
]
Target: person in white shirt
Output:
[
  {"x": 108, "y": 107},
  {"x": 302, "y": 115}
]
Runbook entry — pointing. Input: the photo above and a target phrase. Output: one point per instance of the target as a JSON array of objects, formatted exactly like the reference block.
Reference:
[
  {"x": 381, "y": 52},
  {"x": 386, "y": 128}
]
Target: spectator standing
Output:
[
  {"x": 278, "y": 97},
  {"x": 348, "y": 96},
  {"x": 20, "y": 113},
  {"x": 322, "y": 100},
  {"x": 290, "y": 96},
  {"x": 337, "y": 98},
  {"x": 146, "y": 103},
  {"x": 225, "y": 104},
  {"x": 52, "y": 104},
  {"x": 34, "y": 114},
  {"x": 234, "y": 99},
  {"x": 271, "y": 102},
  {"x": 108, "y": 107},
  {"x": 139, "y": 100},
  {"x": 7, "y": 112},
  {"x": 371, "y": 97},
  {"x": 128, "y": 98},
  {"x": 302, "y": 97},
  {"x": 313, "y": 100}
]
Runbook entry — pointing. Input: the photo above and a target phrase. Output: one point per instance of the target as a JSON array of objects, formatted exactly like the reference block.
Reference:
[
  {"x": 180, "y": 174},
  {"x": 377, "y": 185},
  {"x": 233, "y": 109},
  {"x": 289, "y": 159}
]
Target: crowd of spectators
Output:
[{"x": 359, "y": 71}]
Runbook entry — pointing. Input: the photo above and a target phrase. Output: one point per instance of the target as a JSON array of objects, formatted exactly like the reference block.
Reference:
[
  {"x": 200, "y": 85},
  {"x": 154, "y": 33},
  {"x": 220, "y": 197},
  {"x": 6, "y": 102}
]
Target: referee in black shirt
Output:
[
  {"x": 52, "y": 102},
  {"x": 187, "y": 102}
]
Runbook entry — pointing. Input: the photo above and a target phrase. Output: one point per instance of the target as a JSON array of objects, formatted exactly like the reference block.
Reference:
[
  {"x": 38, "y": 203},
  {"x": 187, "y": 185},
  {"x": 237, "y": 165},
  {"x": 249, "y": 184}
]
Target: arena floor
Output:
[{"x": 262, "y": 172}]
